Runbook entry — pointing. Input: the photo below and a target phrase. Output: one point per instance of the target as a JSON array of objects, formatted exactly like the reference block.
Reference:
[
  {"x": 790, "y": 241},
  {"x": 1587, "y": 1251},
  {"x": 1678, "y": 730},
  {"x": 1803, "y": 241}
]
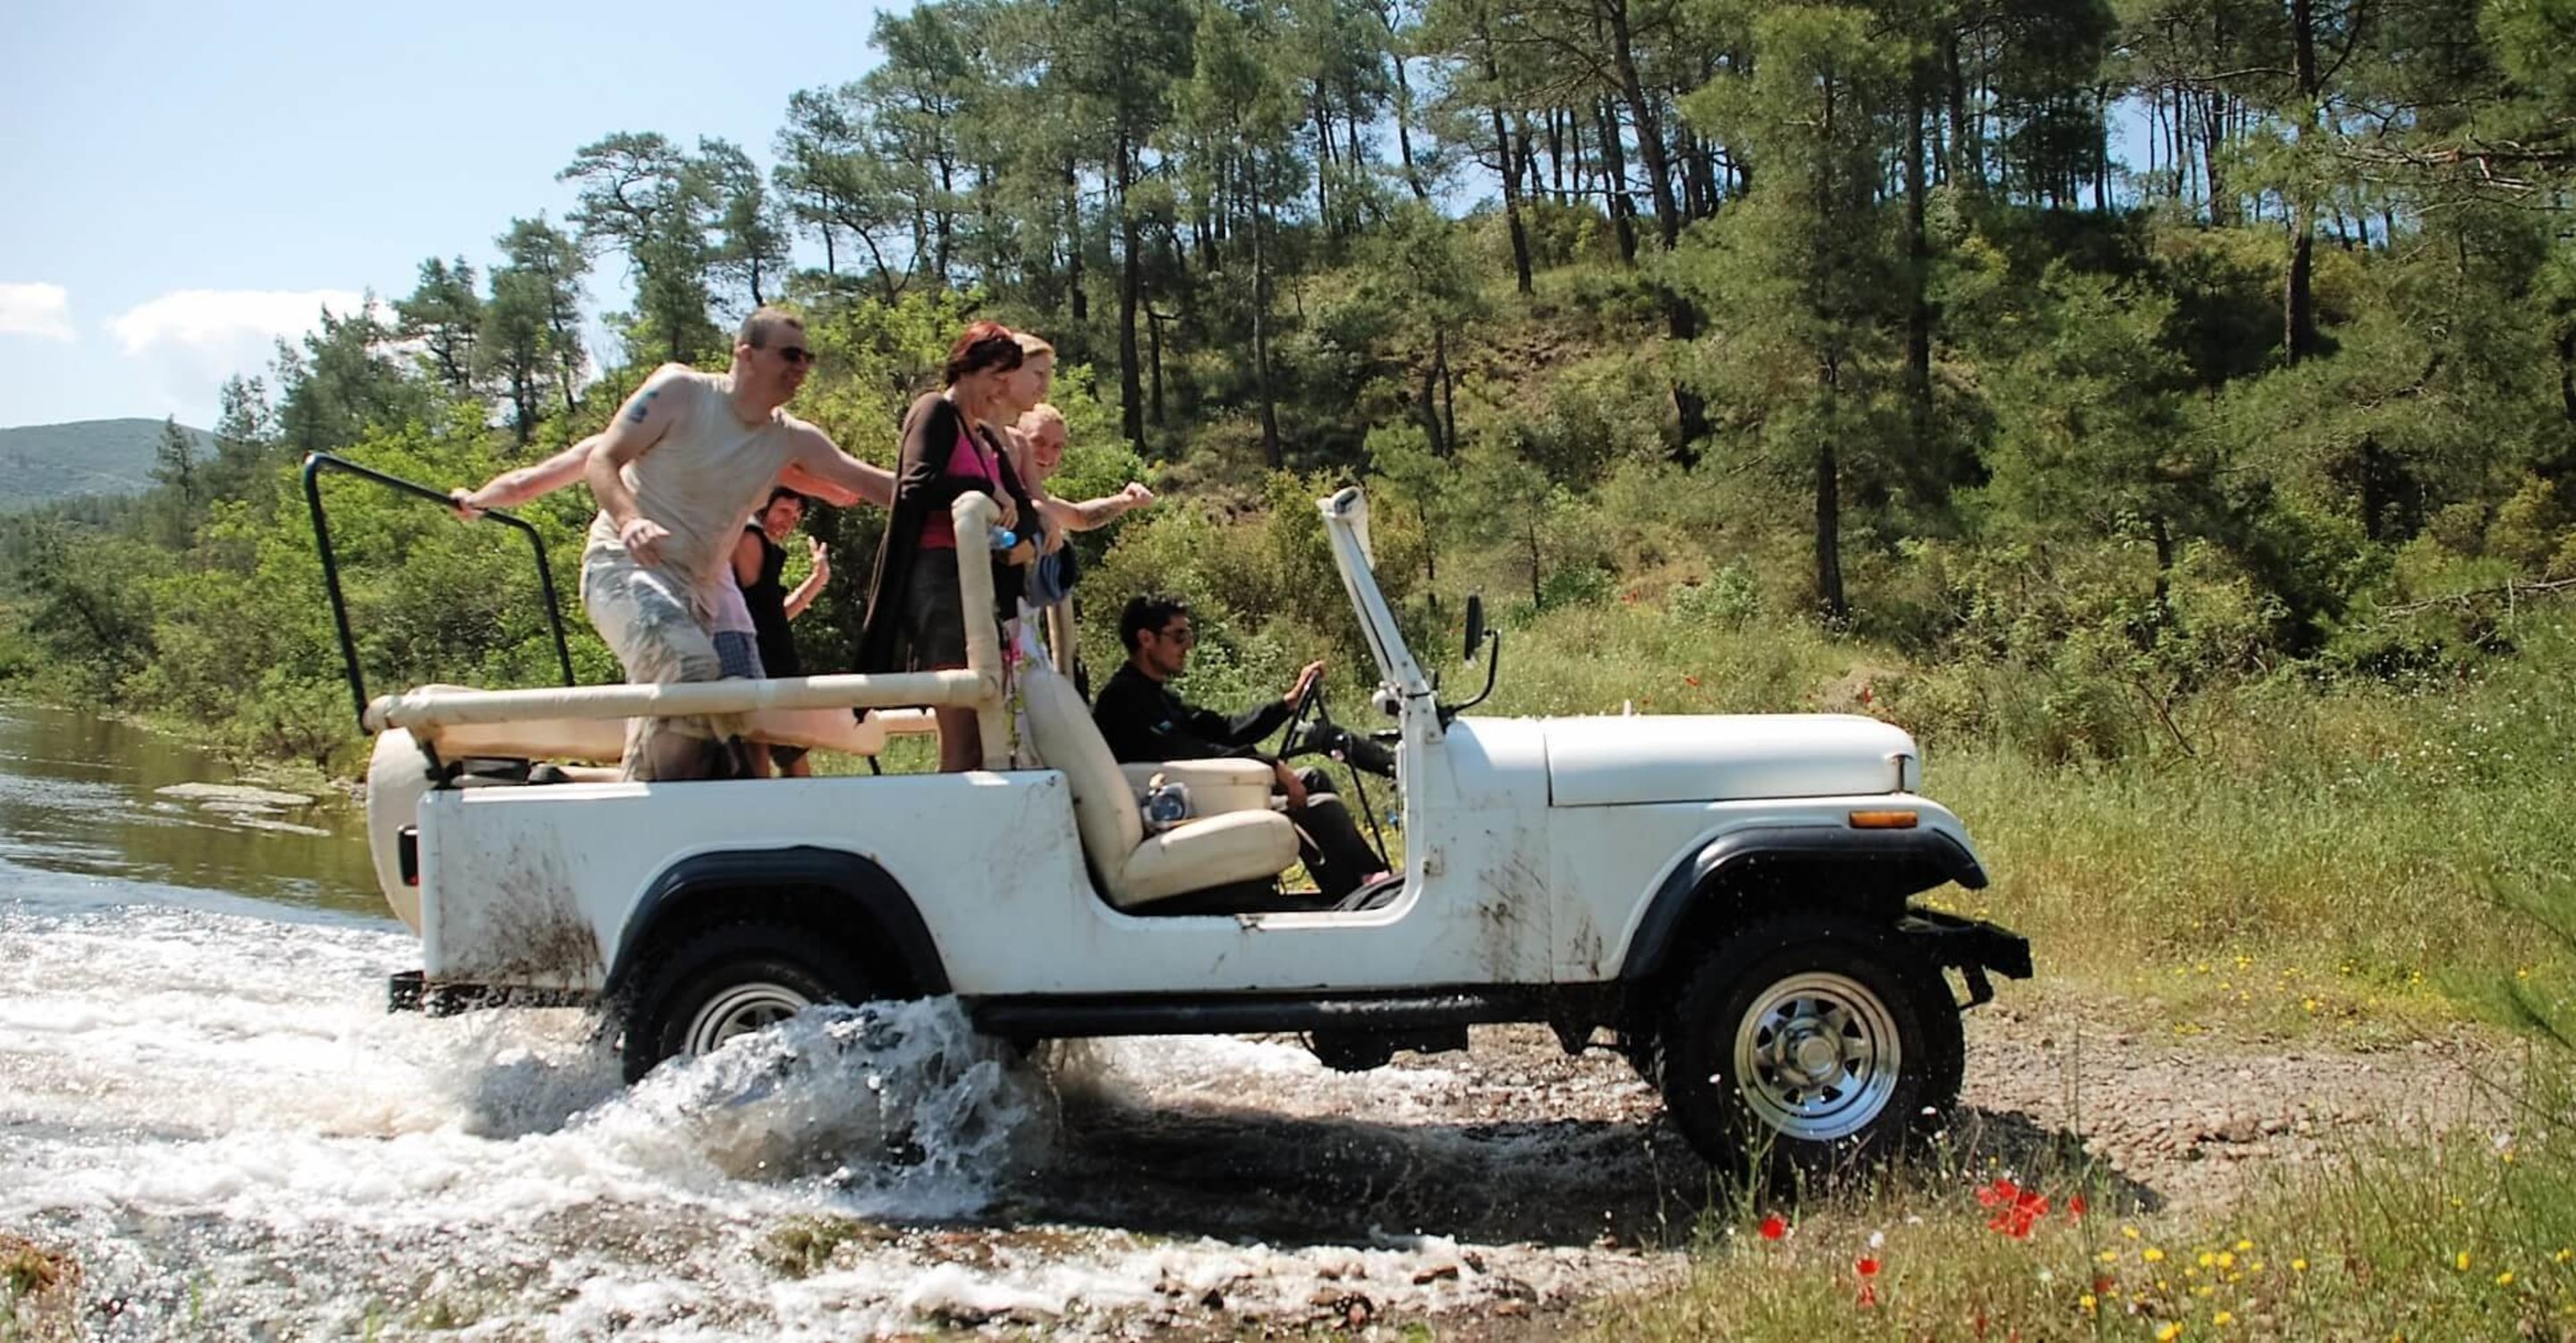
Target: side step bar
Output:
[
  {"x": 411, "y": 991},
  {"x": 1086, "y": 1015}
]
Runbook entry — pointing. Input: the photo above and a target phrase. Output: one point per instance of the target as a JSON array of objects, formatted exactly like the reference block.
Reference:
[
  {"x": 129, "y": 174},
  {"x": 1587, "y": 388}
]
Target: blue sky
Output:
[{"x": 182, "y": 182}]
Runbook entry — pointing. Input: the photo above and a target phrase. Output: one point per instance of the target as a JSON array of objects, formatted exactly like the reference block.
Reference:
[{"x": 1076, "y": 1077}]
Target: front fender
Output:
[{"x": 1873, "y": 870}]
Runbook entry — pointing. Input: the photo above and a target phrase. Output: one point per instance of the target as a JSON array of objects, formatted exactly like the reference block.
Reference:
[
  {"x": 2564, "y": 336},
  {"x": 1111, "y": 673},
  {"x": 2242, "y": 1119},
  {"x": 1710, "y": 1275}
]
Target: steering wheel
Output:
[{"x": 1310, "y": 706}]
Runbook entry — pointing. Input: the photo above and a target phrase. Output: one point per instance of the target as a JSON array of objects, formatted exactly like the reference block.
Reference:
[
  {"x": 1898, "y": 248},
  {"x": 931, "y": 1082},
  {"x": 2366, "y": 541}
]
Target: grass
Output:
[{"x": 2474, "y": 1238}]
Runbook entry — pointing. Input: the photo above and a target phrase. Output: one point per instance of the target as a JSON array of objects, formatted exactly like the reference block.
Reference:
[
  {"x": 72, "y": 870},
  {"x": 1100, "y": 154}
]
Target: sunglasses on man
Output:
[{"x": 796, "y": 354}]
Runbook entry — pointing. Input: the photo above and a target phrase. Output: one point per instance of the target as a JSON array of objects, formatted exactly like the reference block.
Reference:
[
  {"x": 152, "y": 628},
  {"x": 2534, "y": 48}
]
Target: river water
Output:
[{"x": 205, "y": 1105}]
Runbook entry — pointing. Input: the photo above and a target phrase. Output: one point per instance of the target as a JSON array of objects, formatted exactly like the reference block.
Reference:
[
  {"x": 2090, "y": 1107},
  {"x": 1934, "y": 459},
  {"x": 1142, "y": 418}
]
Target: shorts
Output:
[
  {"x": 739, "y": 653},
  {"x": 649, "y": 623},
  {"x": 934, "y": 613}
]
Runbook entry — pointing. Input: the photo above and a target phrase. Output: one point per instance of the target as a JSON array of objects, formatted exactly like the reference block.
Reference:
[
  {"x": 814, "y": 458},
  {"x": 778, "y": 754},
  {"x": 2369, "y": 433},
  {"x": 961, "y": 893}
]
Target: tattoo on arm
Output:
[{"x": 643, "y": 405}]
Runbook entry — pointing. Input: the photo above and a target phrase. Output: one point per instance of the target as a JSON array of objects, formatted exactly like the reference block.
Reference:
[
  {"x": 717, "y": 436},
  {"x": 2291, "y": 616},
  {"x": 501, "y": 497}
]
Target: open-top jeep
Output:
[{"x": 1726, "y": 900}]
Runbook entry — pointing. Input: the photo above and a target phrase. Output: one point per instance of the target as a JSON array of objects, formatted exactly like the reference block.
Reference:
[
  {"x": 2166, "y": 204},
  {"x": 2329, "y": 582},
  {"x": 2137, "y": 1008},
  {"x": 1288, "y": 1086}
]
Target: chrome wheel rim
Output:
[
  {"x": 1817, "y": 1057},
  {"x": 740, "y": 1010}
]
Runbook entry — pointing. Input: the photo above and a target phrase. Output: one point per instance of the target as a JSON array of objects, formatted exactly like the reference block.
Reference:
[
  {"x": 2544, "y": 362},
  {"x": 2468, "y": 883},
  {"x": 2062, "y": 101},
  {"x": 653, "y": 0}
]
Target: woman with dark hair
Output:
[{"x": 916, "y": 620}]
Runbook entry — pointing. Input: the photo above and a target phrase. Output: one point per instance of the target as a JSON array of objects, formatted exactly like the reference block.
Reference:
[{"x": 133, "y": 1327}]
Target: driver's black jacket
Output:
[{"x": 1145, "y": 722}]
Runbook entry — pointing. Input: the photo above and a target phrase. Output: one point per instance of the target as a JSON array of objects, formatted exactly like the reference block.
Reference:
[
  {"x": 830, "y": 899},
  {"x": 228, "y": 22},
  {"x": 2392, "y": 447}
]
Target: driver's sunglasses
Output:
[
  {"x": 796, "y": 354},
  {"x": 1182, "y": 635}
]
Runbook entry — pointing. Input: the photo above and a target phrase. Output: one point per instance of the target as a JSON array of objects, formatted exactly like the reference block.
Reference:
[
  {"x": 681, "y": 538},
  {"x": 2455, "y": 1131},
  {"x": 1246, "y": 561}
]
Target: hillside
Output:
[{"x": 39, "y": 462}]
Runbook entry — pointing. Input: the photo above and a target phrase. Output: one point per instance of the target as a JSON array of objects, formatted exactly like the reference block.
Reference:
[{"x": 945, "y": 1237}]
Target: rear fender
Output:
[{"x": 843, "y": 896}]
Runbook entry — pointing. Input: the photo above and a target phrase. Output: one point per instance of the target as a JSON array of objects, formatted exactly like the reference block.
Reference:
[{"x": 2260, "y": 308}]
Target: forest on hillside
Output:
[{"x": 2111, "y": 351}]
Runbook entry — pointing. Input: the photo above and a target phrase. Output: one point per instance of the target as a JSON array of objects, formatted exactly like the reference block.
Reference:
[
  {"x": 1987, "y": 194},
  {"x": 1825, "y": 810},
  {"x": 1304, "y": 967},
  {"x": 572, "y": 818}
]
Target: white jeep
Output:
[{"x": 1723, "y": 899}]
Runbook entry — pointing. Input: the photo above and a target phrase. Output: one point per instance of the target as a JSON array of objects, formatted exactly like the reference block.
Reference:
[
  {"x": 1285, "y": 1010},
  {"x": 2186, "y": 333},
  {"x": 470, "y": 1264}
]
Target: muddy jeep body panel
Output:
[{"x": 1577, "y": 871}]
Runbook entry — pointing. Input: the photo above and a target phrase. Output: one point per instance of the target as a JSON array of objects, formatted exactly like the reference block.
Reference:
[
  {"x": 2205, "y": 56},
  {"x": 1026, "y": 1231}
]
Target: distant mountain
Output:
[{"x": 55, "y": 461}]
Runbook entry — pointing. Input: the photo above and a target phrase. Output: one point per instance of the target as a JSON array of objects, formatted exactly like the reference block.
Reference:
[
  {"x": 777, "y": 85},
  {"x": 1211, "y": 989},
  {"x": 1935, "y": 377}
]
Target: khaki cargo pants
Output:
[{"x": 655, "y": 630}]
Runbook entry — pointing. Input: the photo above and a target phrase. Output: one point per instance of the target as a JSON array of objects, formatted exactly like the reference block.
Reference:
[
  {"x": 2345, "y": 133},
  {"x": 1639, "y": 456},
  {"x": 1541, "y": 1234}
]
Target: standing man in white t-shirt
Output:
[{"x": 686, "y": 459}]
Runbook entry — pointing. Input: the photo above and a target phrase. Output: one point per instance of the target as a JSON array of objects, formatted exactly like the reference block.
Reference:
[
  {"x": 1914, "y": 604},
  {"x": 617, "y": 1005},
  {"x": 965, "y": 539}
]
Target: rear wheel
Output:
[
  {"x": 1809, "y": 1043},
  {"x": 730, "y": 981}
]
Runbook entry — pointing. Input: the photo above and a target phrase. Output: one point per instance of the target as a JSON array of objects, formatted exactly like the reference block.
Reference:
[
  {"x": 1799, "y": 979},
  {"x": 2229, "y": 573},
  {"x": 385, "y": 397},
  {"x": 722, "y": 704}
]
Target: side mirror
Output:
[{"x": 1475, "y": 626}]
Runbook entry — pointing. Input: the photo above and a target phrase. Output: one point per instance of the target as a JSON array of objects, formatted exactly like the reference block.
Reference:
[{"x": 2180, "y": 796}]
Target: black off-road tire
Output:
[
  {"x": 1849, "y": 1038},
  {"x": 729, "y": 979}
]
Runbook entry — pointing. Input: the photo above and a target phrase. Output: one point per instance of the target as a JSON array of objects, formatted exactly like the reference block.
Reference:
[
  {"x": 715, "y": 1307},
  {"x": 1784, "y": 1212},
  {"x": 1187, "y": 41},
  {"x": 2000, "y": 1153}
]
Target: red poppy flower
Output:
[
  {"x": 1773, "y": 1228},
  {"x": 1868, "y": 1296},
  {"x": 2075, "y": 1206},
  {"x": 1868, "y": 1267},
  {"x": 1691, "y": 681},
  {"x": 2017, "y": 1209}
]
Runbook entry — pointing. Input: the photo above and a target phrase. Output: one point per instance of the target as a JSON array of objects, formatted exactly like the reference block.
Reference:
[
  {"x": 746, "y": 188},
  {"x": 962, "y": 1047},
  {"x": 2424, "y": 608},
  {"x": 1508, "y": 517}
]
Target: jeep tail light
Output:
[{"x": 1884, "y": 820}]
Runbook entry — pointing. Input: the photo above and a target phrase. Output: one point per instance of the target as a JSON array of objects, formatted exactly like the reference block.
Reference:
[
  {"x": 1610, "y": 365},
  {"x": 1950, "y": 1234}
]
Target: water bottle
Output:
[
  {"x": 1004, "y": 538},
  {"x": 1167, "y": 804}
]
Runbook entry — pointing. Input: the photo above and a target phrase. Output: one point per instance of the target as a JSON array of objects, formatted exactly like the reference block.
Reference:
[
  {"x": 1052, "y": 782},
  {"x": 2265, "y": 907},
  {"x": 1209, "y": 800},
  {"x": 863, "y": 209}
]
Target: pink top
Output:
[{"x": 939, "y": 530}]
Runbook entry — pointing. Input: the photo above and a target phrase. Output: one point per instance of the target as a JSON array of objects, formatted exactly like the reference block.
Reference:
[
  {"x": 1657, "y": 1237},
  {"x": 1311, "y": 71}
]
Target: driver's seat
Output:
[{"x": 1133, "y": 867}]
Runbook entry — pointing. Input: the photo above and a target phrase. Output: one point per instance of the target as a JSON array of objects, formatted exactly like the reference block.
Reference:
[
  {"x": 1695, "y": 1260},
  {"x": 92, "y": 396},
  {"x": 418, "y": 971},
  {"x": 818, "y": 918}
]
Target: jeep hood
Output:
[{"x": 1606, "y": 762}]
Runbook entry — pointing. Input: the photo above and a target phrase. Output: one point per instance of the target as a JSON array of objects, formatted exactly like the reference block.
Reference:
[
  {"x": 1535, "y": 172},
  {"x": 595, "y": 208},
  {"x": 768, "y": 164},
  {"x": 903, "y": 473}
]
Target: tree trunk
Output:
[
  {"x": 1080, "y": 304},
  {"x": 1270, "y": 450},
  {"x": 1829, "y": 558},
  {"x": 1965, "y": 167},
  {"x": 2298, "y": 300},
  {"x": 1641, "y": 110},
  {"x": 1918, "y": 266},
  {"x": 1614, "y": 181},
  {"x": 1511, "y": 196},
  {"x": 1154, "y": 360},
  {"x": 1403, "y": 129},
  {"x": 1131, "y": 283}
]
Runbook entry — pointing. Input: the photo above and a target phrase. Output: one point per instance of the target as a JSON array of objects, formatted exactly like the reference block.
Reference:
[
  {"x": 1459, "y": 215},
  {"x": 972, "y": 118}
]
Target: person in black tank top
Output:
[{"x": 758, "y": 561}]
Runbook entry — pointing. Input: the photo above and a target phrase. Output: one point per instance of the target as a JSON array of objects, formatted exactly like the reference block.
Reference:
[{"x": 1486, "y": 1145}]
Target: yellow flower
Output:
[
  {"x": 2562, "y": 1256},
  {"x": 2153, "y": 1255},
  {"x": 2129, "y": 1231},
  {"x": 2109, "y": 1256},
  {"x": 2169, "y": 1333},
  {"x": 2243, "y": 1245},
  {"x": 2203, "y": 1290},
  {"x": 2223, "y": 1318},
  {"x": 2298, "y": 1265},
  {"x": 2086, "y": 1301},
  {"x": 2463, "y": 1261},
  {"x": 2505, "y": 1279},
  {"x": 2207, "y": 1259},
  {"x": 2227, "y": 1259}
]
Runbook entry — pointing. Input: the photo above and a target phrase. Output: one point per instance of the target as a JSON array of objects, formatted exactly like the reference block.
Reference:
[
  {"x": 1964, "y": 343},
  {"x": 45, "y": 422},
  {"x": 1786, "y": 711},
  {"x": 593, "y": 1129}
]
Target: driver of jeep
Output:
[{"x": 1146, "y": 723}]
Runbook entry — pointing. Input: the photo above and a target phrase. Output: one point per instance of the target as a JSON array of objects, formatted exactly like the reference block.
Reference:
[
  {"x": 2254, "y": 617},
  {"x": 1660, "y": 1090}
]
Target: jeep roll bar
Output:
[{"x": 314, "y": 465}]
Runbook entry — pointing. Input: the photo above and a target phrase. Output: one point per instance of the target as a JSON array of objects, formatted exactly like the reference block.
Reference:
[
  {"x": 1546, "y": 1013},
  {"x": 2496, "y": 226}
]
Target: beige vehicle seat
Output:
[
  {"x": 1216, "y": 786},
  {"x": 1135, "y": 868}
]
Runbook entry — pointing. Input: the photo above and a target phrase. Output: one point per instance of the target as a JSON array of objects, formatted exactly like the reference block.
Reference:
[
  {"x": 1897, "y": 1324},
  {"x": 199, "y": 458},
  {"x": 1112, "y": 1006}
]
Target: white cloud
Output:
[
  {"x": 225, "y": 318},
  {"x": 37, "y": 310},
  {"x": 186, "y": 342}
]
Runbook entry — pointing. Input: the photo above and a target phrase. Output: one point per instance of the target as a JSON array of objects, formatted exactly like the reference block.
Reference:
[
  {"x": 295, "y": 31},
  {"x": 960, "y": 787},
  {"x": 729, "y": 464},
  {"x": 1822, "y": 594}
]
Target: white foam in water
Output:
[{"x": 216, "y": 1115}]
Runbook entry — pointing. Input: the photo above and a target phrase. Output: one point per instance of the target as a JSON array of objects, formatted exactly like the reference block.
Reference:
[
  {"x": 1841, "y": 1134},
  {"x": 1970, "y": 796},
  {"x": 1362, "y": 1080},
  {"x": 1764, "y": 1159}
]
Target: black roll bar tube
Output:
[{"x": 313, "y": 466}]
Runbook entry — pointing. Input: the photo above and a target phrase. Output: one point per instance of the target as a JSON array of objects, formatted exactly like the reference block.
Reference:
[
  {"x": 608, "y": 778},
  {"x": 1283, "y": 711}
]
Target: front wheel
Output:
[
  {"x": 1806, "y": 1044},
  {"x": 731, "y": 981}
]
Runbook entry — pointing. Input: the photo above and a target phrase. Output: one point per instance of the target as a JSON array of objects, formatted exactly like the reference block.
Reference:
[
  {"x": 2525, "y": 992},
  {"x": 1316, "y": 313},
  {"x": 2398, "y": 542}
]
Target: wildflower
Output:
[
  {"x": 2153, "y": 1255},
  {"x": 2129, "y": 1231},
  {"x": 2087, "y": 1302},
  {"x": 2244, "y": 1245},
  {"x": 1867, "y": 1267},
  {"x": 2298, "y": 1265},
  {"x": 2207, "y": 1259},
  {"x": 1877, "y": 1239},
  {"x": 2562, "y": 1256},
  {"x": 1773, "y": 1228},
  {"x": 2075, "y": 1206},
  {"x": 2227, "y": 1259},
  {"x": 2016, "y": 1208},
  {"x": 2463, "y": 1261},
  {"x": 2505, "y": 1279},
  {"x": 2223, "y": 1318},
  {"x": 2169, "y": 1333},
  {"x": 2109, "y": 1256}
]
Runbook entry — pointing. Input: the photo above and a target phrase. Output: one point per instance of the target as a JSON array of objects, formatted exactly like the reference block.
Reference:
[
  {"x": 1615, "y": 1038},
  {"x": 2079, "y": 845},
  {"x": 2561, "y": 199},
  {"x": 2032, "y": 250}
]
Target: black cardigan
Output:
[{"x": 923, "y": 487}]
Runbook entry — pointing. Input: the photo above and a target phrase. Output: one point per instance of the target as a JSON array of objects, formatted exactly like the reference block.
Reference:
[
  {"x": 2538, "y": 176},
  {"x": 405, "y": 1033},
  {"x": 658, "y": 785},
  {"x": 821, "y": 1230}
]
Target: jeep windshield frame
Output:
[{"x": 1346, "y": 524}]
